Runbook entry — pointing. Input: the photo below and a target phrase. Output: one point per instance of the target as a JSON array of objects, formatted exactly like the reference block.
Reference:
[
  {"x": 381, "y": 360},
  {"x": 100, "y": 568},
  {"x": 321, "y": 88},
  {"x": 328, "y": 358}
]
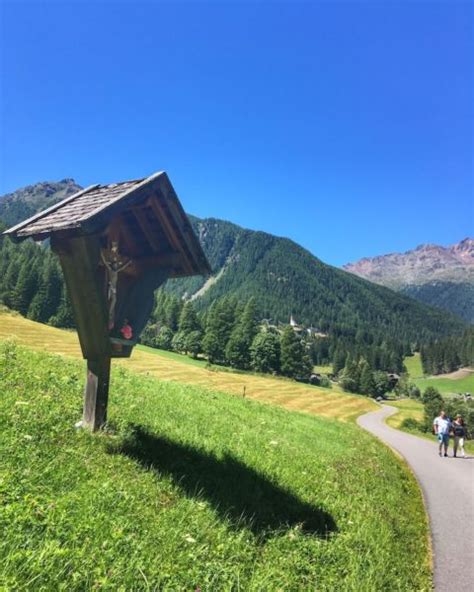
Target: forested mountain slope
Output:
[
  {"x": 283, "y": 278},
  {"x": 286, "y": 279},
  {"x": 436, "y": 275}
]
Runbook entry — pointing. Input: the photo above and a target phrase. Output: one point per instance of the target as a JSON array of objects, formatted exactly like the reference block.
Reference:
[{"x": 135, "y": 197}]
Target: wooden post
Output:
[{"x": 96, "y": 393}]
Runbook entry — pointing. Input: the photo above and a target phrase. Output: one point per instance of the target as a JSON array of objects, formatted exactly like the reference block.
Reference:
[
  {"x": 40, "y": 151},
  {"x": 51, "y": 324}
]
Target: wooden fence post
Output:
[{"x": 96, "y": 393}]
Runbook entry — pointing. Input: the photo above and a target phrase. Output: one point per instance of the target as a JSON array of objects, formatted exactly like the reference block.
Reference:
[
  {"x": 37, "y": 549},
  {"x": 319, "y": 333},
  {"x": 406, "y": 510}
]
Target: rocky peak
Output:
[{"x": 425, "y": 263}]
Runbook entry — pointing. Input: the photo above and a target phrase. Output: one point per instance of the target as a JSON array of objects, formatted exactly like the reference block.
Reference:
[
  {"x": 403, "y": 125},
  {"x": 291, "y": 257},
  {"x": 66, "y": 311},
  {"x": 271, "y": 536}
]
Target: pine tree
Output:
[
  {"x": 46, "y": 301},
  {"x": 164, "y": 338},
  {"x": 294, "y": 361},
  {"x": 366, "y": 381},
  {"x": 25, "y": 288},
  {"x": 193, "y": 343},
  {"x": 188, "y": 320},
  {"x": 339, "y": 361},
  {"x": 9, "y": 282},
  {"x": 64, "y": 316},
  {"x": 237, "y": 351},
  {"x": 350, "y": 376},
  {"x": 220, "y": 323}
]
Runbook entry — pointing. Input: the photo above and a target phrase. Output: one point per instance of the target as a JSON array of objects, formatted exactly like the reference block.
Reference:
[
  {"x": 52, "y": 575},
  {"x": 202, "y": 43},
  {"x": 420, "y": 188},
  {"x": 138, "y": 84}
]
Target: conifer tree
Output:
[
  {"x": 339, "y": 361},
  {"x": 64, "y": 316},
  {"x": 366, "y": 380},
  {"x": 193, "y": 343},
  {"x": 294, "y": 361},
  {"x": 26, "y": 287},
  {"x": 164, "y": 338},
  {"x": 188, "y": 320},
  {"x": 220, "y": 322},
  {"x": 237, "y": 351},
  {"x": 350, "y": 377},
  {"x": 46, "y": 301}
]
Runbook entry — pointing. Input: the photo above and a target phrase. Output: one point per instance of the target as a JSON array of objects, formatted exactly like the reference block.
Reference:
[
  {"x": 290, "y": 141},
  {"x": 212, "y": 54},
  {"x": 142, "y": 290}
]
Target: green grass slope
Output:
[{"x": 194, "y": 490}]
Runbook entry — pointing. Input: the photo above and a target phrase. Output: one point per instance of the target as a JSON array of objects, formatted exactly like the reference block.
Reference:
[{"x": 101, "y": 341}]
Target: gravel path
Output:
[{"x": 448, "y": 488}]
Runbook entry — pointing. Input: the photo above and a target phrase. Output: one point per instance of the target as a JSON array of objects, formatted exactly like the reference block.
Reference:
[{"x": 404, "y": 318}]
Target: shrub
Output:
[{"x": 411, "y": 424}]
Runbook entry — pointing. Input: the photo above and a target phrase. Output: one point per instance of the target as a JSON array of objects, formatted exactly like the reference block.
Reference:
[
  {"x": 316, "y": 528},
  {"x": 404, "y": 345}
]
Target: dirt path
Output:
[
  {"x": 456, "y": 375},
  {"x": 448, "y": 488}
]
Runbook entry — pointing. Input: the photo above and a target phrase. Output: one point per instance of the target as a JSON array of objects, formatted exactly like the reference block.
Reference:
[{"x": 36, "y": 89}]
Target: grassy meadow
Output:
[
  {"x": 177, "y": 368},
  {"x": 194, "y": 489},
  {"x": 444, "y": 384},
  {"x": 407, "y": 409}
]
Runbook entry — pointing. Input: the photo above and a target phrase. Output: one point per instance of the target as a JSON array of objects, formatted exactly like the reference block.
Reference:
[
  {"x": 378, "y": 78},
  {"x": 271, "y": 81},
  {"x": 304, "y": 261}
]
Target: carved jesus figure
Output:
[{"x": 114, "y": 264}]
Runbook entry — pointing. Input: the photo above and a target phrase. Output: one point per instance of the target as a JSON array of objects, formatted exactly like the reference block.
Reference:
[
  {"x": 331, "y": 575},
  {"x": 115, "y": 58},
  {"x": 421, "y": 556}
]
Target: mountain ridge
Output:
[
  {"x": 433, "y": 274},
  {"x": 284, "y": 278}
]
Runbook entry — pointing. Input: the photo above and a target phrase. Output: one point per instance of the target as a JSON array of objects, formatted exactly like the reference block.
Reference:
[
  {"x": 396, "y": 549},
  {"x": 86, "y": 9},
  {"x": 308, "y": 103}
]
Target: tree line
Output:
[
  {"x": 228, "y": 333},
  {"x": 448, "y": 354},
  {"x": 31, "y": 282}
]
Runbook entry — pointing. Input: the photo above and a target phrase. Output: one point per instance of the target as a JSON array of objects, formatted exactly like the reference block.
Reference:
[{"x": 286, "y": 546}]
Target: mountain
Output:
[
  {"x": 25, "y": 202},
  {"x": 436, "y": 275},
  {"x": 284, "y": 279}
]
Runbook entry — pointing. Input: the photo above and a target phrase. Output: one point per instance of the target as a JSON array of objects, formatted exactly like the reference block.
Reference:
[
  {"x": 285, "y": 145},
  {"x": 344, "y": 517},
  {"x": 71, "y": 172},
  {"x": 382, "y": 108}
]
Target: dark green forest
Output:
[
  {"x": 448, "y": 354},
  {"x": 454, "y": 296}
]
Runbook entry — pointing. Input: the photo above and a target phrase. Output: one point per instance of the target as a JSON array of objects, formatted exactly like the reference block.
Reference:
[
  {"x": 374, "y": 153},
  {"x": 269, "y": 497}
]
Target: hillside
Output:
[
  {"x": 25, "y": 202},
  {"x": 286, "y": 279},
  {"x": 436, "y": 275},
  {"x": 191, "y": 489},
  {"x": 294, "y": 396}
]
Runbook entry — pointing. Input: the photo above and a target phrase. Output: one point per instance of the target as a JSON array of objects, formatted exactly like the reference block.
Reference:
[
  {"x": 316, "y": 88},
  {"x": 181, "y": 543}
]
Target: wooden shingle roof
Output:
[{"x": 148, "y": 208}]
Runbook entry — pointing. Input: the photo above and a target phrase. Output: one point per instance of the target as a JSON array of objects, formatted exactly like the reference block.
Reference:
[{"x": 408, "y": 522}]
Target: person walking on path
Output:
[
  {"x": 442, "y": 427},
  {"x": 459, "y": 432}
]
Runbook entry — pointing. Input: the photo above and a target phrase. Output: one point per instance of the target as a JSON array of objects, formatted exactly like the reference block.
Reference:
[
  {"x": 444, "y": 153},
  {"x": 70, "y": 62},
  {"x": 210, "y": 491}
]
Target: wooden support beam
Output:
[
  {"x": 80, "y": 259},
  {"x": 146, "y": 228},
  {"x": 169, "y": 231},
  {"x": 179, "y": 217},
  {"x": 96, "y": 393}
]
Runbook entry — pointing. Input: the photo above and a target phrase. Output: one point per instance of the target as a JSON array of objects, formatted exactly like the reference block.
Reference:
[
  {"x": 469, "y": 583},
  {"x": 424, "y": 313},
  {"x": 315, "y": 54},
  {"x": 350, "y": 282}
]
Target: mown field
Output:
[
  {"x": 192, "y": 489},
  {"x": 174, "y": 367}
]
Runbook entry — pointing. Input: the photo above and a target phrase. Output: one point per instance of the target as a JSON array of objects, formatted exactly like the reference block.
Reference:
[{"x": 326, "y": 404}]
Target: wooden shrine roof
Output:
[{"x": 147, "y": 209}]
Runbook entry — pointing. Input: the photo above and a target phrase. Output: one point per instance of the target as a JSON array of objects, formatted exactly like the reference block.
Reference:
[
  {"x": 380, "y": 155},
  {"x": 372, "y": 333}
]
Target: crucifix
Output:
[
  {"x": 112, "y": 292},
  {"x": 114, "y": 264}
]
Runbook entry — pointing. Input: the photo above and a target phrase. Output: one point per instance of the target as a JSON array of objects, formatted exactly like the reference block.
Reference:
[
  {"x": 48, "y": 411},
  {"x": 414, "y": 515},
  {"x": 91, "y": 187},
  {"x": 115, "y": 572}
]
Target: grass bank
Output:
[
  {"x": 194, "y": 490},
  {"x": 174, "y": 367}
]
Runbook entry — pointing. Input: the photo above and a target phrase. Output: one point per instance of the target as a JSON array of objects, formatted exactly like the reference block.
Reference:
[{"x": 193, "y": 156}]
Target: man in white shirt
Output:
[{"x": 442, "y": 427}]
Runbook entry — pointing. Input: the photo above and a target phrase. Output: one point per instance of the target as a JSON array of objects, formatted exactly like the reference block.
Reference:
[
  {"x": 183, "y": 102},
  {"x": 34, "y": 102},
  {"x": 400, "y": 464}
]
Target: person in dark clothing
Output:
[{"x": 459, "y": 433}]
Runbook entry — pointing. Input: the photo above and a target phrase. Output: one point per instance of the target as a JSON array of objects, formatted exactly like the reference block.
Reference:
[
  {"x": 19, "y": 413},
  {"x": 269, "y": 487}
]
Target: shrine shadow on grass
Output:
[{"x": 237, "y": 492}]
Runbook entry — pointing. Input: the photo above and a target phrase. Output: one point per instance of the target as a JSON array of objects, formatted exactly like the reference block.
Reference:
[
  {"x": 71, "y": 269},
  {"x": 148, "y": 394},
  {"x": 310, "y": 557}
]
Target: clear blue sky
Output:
[{"x": 346, "y": 126}]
